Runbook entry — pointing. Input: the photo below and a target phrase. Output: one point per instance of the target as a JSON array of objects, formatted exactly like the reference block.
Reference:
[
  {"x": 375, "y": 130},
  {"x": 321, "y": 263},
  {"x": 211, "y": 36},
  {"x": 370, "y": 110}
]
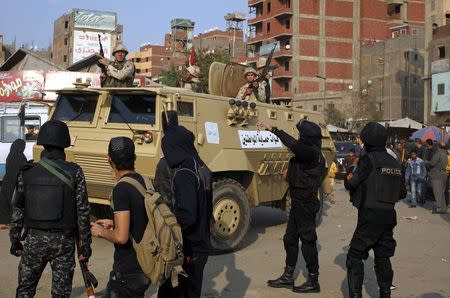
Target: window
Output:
[
  {"x": 32, "y": 126},
  {"x": 441, "y": 52},
  {"x": 66, "y": 24},
  {"x": 65, "y": 58},
  {"x": 65, "y": 41},
  {"x": 135, "y": 109},
  {"x": 286, "y": 86},
  {"x": 268, "y": 27},
  {"x": 185, "y": 108},
  {"x": 286, "y": 66},
  {"x": 10, "y": 129},
  {"x": 314, "y": 107},
  {"x": 441, "y": 89},
  {"x": 288, "y": 24},
  {"x": 76, "y": 107},
  {"x": 268, "y": 7}
]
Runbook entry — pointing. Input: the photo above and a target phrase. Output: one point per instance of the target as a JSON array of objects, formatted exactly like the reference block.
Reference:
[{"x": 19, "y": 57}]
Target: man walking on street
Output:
[
  {"x": 375, "y": 186},
  {"x": 51, "y": 203},
  {"x": 438, "y": 176},
  {"x": 305, "y": 175},
  {"x": 119, "y": 72},
  {"x": 192, "y": 195},
  {"x": 415, "y": 174},
  {"x": 130, "y": 220}
]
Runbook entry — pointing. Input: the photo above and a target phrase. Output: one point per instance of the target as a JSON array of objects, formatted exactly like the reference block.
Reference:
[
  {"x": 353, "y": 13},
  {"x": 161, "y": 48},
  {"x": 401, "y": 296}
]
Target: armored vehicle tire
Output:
[
  {"x": 321, "y": 196},
  {"x": 231, "y": 212}
]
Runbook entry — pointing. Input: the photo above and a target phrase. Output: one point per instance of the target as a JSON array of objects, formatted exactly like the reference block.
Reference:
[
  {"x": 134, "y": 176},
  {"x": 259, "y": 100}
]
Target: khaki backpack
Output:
[{"x": 160, "y": 252}]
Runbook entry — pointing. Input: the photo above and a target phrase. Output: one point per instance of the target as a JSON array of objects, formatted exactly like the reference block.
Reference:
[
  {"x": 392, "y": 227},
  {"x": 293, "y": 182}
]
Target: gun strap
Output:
[{"x": 55, "y": 169}]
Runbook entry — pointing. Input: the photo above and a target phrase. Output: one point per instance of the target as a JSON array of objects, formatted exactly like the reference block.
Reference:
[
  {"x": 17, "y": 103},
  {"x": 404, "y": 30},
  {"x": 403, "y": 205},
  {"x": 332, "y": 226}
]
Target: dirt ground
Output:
[{"x": 421, "y": 263}]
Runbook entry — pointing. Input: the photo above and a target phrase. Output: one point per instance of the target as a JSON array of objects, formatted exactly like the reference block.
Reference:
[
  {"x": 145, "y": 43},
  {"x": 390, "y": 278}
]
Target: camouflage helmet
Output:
[
  {"x": 250, "y": 70},
  {"x": 120, "y": 47},
  {"x": 54, "y": 133}
]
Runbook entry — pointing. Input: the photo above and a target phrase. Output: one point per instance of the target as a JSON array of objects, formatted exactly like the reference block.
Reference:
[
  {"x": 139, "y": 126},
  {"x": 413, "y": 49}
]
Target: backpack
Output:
[{"x": 160, "y": 252}]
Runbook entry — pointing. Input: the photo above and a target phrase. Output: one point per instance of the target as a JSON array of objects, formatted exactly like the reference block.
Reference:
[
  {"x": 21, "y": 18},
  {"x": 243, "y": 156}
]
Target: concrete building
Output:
[
  {"x": 230, "y": 41},
  {"x": 436, "y": 14},
  {"x": 5, "y": 50},
  {"x": 75, "y": 35},
  {"x": 439, "y": 91},
  {"x": 151, "y": 59},
  {"x": 320, "y": 44}
]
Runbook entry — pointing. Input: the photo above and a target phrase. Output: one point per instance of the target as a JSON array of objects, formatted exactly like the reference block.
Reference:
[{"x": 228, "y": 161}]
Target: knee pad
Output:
[{"x": 353, "y": 263}]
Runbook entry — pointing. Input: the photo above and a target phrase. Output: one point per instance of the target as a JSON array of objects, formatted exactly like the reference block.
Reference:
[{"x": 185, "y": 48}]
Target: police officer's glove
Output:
[
  {"x": 16, "y": 248},
  {"x": 86, "y": 252}
]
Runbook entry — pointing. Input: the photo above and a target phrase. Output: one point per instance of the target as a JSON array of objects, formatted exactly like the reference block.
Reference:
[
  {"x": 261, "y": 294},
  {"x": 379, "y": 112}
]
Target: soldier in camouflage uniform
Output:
[
  {"x": 50, "y": 205},
  {"x": 119, "y": 72}
]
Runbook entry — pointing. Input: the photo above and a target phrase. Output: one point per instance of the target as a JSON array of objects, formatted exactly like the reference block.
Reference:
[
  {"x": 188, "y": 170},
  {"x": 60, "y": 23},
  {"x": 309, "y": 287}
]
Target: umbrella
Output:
[{"x": 430, "y": 132}]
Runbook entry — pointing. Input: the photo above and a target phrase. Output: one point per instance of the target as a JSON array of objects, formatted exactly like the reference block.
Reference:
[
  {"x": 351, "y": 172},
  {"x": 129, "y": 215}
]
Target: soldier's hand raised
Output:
[{"x": 265, "y": 126}]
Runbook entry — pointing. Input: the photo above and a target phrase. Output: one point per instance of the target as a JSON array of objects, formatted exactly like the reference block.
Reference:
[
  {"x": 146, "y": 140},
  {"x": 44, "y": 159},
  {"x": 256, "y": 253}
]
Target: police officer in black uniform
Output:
[
  {"x": 375, "y": 186},
  {"x": 50, "y": 203},
  {"x": 306, "y": 171}
]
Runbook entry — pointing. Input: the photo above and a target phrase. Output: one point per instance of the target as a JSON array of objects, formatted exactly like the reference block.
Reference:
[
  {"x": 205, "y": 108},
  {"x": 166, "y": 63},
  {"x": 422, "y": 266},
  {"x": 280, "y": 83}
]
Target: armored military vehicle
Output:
[{"x": 247, "y": 164}]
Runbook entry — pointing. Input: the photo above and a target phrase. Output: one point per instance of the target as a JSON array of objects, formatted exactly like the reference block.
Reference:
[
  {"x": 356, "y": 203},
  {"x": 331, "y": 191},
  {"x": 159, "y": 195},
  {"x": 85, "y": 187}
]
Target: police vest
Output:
[
  {"x": 50, "y": 204},
  {"x": 113, "y": 82},
  {"x": 384, "y": 181},
  {"x": 301, "y": 177}
]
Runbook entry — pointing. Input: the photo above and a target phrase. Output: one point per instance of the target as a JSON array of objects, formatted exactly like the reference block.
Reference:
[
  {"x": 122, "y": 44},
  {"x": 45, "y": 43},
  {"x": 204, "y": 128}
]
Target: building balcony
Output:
[
  {"x": 258, "y": 38},
  {"x": 283, "y": 12},
  {"x": 282, "y": 76},
  {"x": 253, "y": 21},
  {"x": 253, "y": 3},
  {"x": 283, "y": 54},
  {"x": 282, "y": 33}
]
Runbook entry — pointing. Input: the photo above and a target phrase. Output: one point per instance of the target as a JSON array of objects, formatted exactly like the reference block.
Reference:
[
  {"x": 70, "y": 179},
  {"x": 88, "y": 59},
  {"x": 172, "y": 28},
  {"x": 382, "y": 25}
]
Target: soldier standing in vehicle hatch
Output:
[
  {"x": 51, "y": 203},
  {"x": 119, "y": 72}
]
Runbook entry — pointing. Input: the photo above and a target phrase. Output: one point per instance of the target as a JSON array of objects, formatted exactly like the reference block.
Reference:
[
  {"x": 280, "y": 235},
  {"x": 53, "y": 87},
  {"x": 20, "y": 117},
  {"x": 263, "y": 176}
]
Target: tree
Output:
[
  {"x": 203, "y": 59},
  {"x": 334, "y": 116}
]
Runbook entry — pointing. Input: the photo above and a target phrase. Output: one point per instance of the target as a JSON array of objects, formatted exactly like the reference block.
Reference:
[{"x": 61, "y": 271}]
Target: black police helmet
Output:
[
  {"x": 374, "y": 134},
  {"x": 54, "y": 133},
  {"x": 309, "y": 129}
]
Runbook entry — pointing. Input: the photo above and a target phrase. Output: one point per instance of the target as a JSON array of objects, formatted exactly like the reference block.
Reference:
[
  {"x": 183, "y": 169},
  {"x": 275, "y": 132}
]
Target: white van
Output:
[{"x": 10, "y": 128}]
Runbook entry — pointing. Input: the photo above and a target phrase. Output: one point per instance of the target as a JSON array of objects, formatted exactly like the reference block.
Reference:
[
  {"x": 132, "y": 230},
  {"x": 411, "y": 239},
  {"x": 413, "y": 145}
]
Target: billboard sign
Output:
[
  {"x": 92, "y": 19},
  {"x": 86, "y": 44},
  {"x": 265, "y": 49},
  {"x": 20, "y": 85}
]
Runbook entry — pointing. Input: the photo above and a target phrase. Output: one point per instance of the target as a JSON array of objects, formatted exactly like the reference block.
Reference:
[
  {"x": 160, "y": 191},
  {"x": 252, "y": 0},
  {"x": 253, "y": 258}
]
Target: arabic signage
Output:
[
  {"x": 265, "y": 49},
  {"x": 91, "y": 19},
  {"x": 258, "y": 139},
  {"x": 35, "y": 85},
  {"x": 86, "y": 44},
  {"x": 440, "y": 66},
  {"x": 20, "y": 85}
]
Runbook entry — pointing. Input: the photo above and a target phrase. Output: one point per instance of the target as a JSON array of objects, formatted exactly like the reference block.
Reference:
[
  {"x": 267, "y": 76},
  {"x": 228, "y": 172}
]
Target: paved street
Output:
[{"x": 421, "y": 263}]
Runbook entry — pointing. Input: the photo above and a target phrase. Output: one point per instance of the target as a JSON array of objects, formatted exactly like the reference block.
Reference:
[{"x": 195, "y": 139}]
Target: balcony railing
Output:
[{"x": 252, "y": 3}]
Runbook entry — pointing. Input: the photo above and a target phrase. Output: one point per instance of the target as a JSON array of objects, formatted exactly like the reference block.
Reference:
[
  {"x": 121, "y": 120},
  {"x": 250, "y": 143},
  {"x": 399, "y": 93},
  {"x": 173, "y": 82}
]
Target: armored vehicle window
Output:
[
  {"x": 76, "y": 107},
  {"x": 185, "y": 108},
  {"x": 136, "y": 108}
]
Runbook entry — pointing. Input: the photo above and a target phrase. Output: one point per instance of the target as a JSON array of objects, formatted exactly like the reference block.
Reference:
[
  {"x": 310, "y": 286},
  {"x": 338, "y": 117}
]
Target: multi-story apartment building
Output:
[
  {"x": 75, "y": 35},
  {"x": 151, "y": 59},
  {"x": 230, "y": 41},
  {"x": 320, "y": 43}
]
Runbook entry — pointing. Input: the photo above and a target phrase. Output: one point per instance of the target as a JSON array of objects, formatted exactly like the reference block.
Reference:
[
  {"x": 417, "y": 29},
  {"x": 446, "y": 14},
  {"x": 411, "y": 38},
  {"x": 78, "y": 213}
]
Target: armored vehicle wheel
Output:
[
  {"x": 231, "y": 212},
  {"x": 321, "y": 196}
]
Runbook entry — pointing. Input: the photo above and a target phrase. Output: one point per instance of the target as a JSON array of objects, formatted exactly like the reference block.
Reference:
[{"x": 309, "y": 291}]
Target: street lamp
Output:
[{"x": 323, "y": 90}]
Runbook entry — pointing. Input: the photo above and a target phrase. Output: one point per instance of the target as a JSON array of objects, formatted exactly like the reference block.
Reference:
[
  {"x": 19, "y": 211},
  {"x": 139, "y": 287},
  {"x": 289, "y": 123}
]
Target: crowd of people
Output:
[{"x": 425, "y": 168}]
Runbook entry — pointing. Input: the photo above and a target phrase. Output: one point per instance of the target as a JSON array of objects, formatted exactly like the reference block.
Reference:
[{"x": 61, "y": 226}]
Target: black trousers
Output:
[
  {"x": 188, "y": 287},
  {"x": 302, "y": 226},
  {"x": 373, "y": 231},
  {"x": 128, "y": 285}
]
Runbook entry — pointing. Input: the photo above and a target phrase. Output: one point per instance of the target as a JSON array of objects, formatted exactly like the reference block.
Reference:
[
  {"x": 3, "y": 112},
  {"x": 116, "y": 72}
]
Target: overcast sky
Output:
[{"x": 31, "y": 21}]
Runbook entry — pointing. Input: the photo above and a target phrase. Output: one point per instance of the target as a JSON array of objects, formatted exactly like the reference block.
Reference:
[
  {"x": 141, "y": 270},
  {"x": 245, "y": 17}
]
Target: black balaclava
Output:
[
  {"x": 374, "y": 137},
  {"x": 177, "y": 143},
  {"x": 310, "y": 133}
]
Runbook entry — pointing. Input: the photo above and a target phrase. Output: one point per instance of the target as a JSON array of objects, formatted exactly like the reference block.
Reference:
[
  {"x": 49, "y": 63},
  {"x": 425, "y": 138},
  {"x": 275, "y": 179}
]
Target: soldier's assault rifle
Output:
[
  {"x": 102, "y": 67},
  {"x": 261, "y": 77},
  {"x": 90, "y": 282}
]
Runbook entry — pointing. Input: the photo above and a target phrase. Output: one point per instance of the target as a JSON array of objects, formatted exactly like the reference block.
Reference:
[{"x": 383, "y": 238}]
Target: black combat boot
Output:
[
  {"x": 385, "y": 290},
  {"x": 286, "y": 280},
  {"x": 355, "y": 281},
  {"x": 311, "y": 285}
]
